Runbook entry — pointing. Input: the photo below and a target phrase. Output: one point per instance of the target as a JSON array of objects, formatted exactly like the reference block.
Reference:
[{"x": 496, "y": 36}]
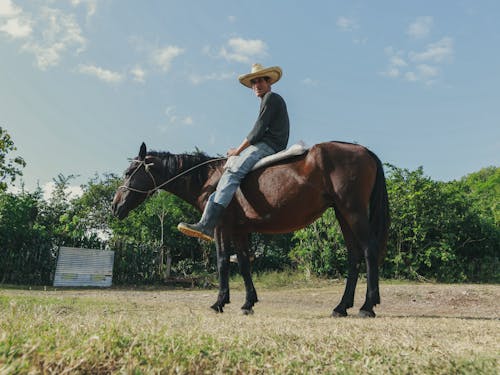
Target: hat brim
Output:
[{"x": 274, "y": 73}]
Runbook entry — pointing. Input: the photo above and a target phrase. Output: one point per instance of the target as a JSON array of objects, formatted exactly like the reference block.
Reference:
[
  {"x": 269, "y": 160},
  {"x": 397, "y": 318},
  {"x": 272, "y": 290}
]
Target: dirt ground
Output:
[{"x": 466, "y": 301}]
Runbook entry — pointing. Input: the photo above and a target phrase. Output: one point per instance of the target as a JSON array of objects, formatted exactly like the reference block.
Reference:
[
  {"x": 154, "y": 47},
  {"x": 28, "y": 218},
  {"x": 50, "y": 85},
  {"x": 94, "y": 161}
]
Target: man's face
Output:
[{"x": 260, "y": 86}]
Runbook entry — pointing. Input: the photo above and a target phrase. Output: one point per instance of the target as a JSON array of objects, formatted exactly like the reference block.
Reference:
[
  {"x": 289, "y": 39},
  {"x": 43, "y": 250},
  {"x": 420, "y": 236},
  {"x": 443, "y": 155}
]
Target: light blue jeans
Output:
[{"x": 239, "y": 168}]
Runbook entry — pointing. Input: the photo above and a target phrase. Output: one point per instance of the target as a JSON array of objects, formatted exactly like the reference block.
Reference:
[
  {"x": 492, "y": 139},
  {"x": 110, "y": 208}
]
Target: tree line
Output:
[{"x": 444, "y": 231}]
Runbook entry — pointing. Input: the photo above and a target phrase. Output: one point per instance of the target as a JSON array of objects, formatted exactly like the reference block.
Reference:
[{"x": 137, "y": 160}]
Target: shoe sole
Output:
[{"x": 193, "y": 233}]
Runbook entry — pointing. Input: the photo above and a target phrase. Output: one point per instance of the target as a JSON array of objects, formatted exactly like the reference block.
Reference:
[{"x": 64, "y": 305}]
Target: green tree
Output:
[
  {"x": 320, "y": 249},
  {"x": 484, "y": 188},
  {"x": 88, "y": 220},
  {"x": 9, "y": 168},
  {"x": 435, "y": 231},
  {"x": 26, "y": 254}
]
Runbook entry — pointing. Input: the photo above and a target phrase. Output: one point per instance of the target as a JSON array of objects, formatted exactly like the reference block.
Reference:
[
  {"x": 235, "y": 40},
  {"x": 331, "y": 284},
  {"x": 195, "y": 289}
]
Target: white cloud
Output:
[
  {"x": 17, "y": 28},
  {"x": 435, "y": 52},
  {"x": 392, "y": 72},
  {"x": 243, "y": 50},
  {"x": 397, "y": 61},
  {"x": 173, "y": 119},
  {"x": 100, "y": 73},
  {"x": 419, "y": 66},
  {"x": 421, "y": 27},
  {"x": 91, "y": 6},
  {"x": 9, "y": 9},
  {"x": 188, "y": 120},
  {"x": 232, "y": 19},
  {"x": 138, "y": 74},
  {"x": 411, "y": 76},
  {"x": 427, "y": 71},
  {"x": 54, "y": 33},
  {"x": 163, "y": 57},
  {"x": 310, "y": 82},
  {"x": 198, "y": 79},
  {"x": 346, "y": 24}
]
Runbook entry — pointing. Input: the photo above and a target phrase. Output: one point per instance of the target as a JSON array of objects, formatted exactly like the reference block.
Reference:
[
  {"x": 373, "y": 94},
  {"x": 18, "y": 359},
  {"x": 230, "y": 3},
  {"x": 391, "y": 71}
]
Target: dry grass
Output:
[{"x": 420, "y": 329}]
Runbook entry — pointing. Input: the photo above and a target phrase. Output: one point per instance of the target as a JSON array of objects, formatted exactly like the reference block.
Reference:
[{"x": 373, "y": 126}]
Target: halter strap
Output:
[{"x": 157, "y": 187}]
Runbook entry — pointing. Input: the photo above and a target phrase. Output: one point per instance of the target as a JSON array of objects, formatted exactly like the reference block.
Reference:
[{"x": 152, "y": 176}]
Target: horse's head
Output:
[{"x": 139, "y": 182}]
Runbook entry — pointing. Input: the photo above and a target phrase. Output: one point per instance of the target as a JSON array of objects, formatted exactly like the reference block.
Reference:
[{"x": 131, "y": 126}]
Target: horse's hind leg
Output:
[
  {"x": 222, "y": 244},
  {"x": 368, "y": 243},
  {"x": 244, "y": 264},
  {"x": 354, "y": 258}
]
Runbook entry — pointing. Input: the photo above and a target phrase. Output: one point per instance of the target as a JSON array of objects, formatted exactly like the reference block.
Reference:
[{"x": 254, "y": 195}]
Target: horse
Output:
[{"x": 279, "y": 198}]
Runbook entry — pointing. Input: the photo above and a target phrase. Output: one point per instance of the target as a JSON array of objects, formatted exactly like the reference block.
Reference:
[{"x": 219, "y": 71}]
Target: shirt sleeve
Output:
[{"x": 263, "y": 121}]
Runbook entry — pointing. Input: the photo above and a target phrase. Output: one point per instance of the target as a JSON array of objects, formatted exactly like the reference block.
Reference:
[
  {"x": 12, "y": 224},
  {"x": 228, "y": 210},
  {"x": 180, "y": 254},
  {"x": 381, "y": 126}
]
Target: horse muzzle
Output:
[{"x": 118, "y": 207}]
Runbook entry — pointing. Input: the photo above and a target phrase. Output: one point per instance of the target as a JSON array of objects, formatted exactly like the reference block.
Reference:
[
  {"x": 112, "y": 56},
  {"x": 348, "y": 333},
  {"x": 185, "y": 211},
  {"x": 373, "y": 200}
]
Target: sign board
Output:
[{"x": 84, "y": 267}]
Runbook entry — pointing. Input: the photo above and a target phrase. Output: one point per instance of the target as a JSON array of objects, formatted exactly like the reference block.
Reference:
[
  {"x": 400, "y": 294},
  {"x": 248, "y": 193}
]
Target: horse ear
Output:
[{"x": 142, "y": 151}]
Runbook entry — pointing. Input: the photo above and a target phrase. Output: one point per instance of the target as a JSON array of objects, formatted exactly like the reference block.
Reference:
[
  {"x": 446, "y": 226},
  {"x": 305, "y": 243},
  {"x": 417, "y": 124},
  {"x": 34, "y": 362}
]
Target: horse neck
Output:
[{"x": 188, "y": 187}]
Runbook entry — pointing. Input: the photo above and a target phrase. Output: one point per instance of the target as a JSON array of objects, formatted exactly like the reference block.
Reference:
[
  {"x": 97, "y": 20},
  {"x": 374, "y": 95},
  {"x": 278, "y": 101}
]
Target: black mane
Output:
[{"x": 174, "y": 164}]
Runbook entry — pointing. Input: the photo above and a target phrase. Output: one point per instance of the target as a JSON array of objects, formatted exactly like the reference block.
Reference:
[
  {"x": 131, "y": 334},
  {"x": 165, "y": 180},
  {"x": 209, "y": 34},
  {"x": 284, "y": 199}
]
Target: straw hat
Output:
[{"x": 274, "y": 73}]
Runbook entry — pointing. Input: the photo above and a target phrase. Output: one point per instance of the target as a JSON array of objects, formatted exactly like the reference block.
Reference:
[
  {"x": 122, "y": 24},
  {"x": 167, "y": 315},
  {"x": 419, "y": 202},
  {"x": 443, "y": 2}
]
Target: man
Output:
[{"x": 268, "y": 136}]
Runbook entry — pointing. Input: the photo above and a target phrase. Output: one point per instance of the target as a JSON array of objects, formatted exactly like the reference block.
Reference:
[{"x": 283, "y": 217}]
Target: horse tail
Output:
[{"x": 379, "y": 210}]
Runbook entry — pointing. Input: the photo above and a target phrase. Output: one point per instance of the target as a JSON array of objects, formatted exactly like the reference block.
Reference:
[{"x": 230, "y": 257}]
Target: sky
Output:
[{"x": 84, "y": 82}]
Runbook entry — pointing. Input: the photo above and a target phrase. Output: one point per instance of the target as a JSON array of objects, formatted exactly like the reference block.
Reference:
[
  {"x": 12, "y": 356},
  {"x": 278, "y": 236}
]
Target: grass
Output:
[{"x": 420, "y": 329}]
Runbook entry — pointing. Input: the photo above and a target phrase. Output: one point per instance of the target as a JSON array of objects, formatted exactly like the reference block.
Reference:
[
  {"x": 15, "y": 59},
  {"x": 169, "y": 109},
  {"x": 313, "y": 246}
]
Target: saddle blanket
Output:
[{"x": 294, "y": 150}]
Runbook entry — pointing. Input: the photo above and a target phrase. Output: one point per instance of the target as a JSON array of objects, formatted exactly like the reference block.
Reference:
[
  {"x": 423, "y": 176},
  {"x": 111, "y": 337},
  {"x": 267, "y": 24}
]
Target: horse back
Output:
[{"x": 293, "y": 193}]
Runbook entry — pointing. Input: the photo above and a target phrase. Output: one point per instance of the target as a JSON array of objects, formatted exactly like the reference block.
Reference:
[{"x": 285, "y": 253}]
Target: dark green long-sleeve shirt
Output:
[{"x": 272, "y": 126}]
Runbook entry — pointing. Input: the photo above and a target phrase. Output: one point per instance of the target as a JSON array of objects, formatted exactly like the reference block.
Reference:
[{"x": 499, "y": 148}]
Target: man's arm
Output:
[{"x": 241, "y": 147}]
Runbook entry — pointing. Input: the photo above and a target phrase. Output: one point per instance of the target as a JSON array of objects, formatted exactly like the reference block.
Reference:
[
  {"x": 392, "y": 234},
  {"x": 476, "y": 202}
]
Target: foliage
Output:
[
  {"x": 9, "y": 168},
  {"x": 26, "y": 253},
  {"x": 320, "y": 247},
  {"x": 484, "y": 188},
  {"x": 271, "y": 251},
  {"x": 436, "y": 232},
  {"x": 154, "y": 224},
  {"x": 442, "y": 231}
]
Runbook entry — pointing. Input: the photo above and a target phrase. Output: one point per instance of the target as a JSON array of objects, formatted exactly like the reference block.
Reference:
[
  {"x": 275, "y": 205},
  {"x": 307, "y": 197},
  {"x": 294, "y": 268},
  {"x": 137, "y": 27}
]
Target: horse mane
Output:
[{"x": 174, "y": 164}]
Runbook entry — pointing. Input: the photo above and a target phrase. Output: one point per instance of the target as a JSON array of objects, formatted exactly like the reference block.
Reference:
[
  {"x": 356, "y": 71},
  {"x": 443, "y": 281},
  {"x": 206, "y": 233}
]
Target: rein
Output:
[{"x": 157, "y": 187}]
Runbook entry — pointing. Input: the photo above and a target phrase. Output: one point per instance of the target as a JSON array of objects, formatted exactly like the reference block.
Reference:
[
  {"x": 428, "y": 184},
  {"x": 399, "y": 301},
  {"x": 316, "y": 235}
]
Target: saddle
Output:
[{"x": 294, "y": 150}]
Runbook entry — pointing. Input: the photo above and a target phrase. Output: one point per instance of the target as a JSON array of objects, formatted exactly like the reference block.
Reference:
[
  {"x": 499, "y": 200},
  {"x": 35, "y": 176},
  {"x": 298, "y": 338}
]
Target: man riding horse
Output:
[
  {"x": 268, "y": 136},
  {"x": 281, "y": 198}
]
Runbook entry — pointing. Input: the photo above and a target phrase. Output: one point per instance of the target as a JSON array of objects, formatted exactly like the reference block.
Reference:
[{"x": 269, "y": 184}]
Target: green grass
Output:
[{"x": 420, "y": 329}]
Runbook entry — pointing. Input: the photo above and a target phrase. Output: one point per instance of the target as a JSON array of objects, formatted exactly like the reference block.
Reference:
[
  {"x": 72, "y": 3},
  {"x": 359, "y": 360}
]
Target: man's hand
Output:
[
  {"x": 237, "y": 151},
  {"x": 232, "y": 152}
]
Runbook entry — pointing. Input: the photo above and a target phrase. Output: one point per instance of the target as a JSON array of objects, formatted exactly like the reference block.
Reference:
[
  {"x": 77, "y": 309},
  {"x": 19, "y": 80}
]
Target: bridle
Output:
[{"x": 143, "y": 163}]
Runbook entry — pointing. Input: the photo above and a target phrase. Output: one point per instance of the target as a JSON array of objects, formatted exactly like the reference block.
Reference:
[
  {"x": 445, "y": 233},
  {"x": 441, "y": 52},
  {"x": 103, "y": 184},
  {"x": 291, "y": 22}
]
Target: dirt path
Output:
[{"x": 473, "y": 301}]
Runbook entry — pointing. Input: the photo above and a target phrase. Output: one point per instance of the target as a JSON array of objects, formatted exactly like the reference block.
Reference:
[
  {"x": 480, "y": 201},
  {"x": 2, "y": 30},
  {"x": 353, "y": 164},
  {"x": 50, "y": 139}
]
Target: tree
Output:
[
  {"x": 320, "y": 247},
  {"x": 26, "y": 252},
  {"x": 484, "y": 187},
  {"x": 90, "y": 218},
  {"x": 437, "y": 231},
  {"x": 9, "y": 168}
]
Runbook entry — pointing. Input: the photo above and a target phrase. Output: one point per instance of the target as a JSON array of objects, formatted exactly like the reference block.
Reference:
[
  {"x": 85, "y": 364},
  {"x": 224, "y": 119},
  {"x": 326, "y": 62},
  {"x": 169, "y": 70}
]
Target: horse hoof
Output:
[
  {"x": 247, "y": 311},
  {"x": 337, "y": 314},
  {"x": 218, "y": 309},
  {"x": 366, "y": 314}
]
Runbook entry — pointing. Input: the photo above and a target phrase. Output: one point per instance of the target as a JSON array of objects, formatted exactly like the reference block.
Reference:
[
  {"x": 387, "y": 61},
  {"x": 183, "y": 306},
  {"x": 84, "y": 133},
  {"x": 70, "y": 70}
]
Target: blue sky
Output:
[{"x": 84, "y": 82}]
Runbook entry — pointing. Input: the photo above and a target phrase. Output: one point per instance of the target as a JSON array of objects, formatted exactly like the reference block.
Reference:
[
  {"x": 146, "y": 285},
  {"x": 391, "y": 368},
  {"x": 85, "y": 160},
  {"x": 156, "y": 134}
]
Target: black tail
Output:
[{"x": 379, "y": 210}]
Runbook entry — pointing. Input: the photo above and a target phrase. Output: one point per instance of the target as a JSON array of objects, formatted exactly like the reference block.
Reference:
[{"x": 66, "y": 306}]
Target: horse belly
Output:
[{"x": 282, "y": 205}]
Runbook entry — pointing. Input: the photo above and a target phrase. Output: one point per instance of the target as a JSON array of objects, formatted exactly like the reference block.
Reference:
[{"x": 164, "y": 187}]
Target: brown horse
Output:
[{"x": 281, "y": 198}]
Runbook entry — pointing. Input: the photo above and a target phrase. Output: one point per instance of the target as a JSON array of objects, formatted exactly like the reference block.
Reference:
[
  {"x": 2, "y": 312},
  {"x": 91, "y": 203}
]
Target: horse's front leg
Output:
[
  {"x": 223, "y": 250},
  {"x": 245, "y": 270}
]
